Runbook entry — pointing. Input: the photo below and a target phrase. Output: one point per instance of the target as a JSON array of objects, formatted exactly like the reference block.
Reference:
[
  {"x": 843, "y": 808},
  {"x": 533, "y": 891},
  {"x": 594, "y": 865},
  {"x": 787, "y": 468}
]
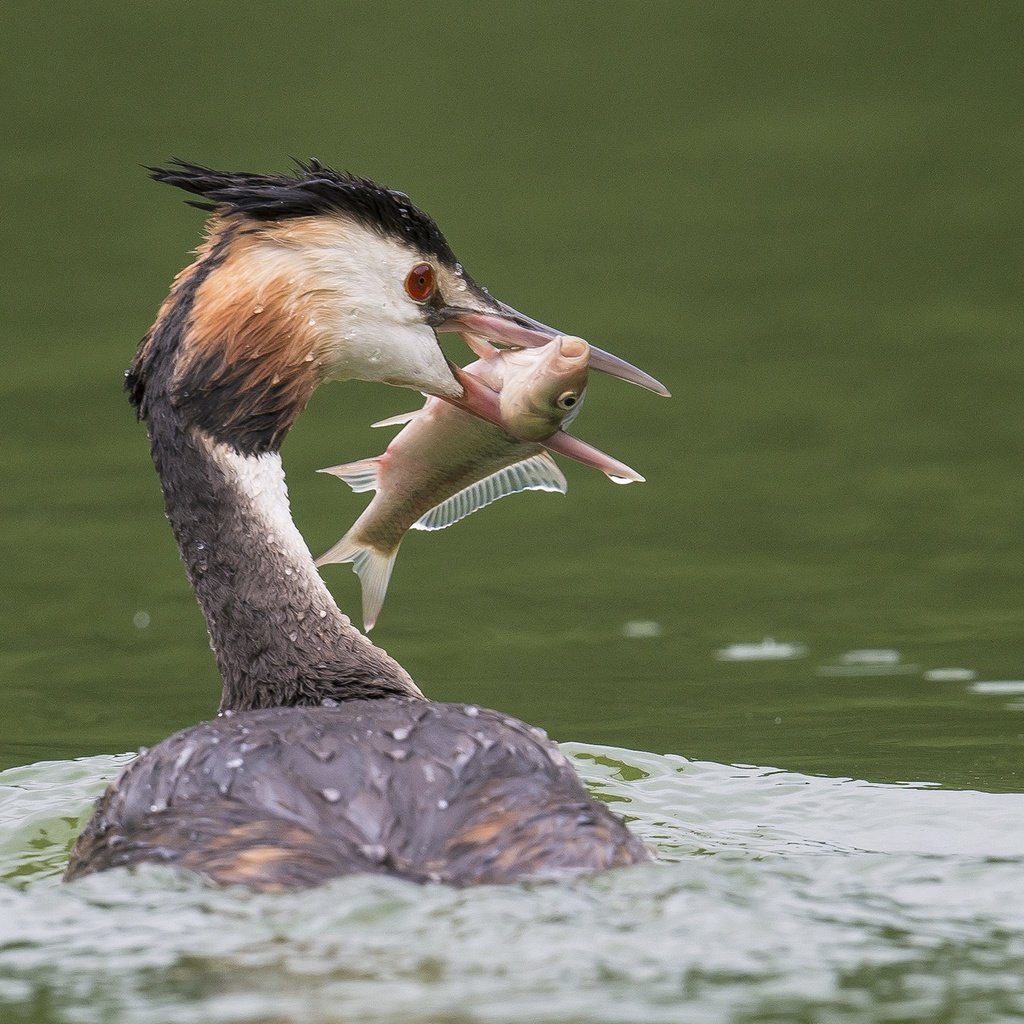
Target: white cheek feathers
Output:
[{"x": 378, "y": 331}]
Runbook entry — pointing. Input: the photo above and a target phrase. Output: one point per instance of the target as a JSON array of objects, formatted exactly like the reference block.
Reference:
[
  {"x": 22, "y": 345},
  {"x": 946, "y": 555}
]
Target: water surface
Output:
[
  {"x": 779, "y": 897},
  {"x": 806, "y": 220}
]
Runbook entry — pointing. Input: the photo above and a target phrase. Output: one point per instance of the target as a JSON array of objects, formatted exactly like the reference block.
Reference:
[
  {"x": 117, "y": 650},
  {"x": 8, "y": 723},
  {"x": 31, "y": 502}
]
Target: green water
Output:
[{"x": 806, "y": 220}]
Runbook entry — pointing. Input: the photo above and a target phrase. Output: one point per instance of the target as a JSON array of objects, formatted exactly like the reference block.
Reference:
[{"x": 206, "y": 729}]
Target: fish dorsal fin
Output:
[
  {"x": 537, "y": 473},
  {"x": 398, "y": 421},
  {"x": 360, "y": 476}
]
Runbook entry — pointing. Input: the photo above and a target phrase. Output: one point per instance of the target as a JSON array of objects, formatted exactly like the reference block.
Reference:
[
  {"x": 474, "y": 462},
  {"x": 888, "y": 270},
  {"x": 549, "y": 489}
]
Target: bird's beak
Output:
[{"x": 505, "y": 327}]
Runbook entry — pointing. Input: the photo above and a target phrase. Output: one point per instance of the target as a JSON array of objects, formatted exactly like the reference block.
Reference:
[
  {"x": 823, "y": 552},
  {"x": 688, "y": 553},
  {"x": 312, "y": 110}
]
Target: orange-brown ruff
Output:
[
  {"x": 326, "y": 758},
  {"x": 259, "y": 331}
]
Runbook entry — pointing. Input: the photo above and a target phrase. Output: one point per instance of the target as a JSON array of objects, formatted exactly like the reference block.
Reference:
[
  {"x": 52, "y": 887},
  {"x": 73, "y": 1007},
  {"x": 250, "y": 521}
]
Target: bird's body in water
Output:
[{"x": 326, "y": 758}]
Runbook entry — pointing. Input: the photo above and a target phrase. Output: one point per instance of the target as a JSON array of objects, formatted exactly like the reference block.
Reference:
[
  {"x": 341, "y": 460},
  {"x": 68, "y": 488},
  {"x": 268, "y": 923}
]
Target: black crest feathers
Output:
[{"x": 312, "y": 190}]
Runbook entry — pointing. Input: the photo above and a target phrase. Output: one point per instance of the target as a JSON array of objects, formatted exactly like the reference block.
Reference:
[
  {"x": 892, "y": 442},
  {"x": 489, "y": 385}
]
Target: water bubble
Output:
[
  {"x": 767, "y": 650},
  {"x": 332, "y": 796},
  {"x": 401, "y": 733},
  {"x": 950, "y": 675},
  {"x": 141, "y": 619},
  {"x": 235, "y": 762},
  {"x": 869, "y": 661},
  {"x": 556, "y": 757},
  {"x": 884, "y": 656},
  {"x": 1002, "y": 687},
  {"x": 442, "y": 805},
  {"x": 641, "y": 629},
  {"x": 374, "y": 852},
  {"x": 472, "y": 710}
]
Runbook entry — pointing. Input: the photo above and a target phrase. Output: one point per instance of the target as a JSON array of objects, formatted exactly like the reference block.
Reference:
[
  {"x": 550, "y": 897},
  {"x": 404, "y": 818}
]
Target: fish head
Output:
[{"x": 543, "y": 388}]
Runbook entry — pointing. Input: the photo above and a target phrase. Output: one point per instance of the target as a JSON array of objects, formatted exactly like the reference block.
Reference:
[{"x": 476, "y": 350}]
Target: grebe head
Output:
[{"x": 307, "y": 277}]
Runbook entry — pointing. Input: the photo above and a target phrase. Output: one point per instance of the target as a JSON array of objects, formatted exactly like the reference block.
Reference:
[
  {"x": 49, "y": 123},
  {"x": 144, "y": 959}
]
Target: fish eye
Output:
[
  {"x": 567, "y": 399},
  {"x": 420, "y": 282}
]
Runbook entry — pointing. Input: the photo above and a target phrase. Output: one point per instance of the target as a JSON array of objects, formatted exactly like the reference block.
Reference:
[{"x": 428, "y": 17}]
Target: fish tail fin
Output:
[
  {"x": 372, "y": 566},
  {"x": 360, "y": 476}
]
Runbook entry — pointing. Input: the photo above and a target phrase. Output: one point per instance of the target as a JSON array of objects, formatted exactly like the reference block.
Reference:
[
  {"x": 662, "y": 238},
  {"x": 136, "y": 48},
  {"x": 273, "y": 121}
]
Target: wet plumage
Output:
[
  {"x": 327, "y": 759},
  {"x": 293, "y": 796}
]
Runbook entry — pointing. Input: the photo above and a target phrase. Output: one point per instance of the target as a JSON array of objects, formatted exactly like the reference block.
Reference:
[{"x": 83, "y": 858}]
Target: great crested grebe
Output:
[{"x": 326, "y": 758}]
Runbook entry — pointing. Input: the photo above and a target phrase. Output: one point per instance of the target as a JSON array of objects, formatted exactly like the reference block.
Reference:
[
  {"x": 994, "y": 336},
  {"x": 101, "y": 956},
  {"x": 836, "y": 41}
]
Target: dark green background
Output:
[{"x": 806, "y": 219}]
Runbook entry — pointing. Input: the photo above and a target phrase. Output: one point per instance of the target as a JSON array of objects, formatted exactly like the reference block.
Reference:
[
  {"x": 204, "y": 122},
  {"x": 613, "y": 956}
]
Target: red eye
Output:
[{"x": 420, "y": 282}]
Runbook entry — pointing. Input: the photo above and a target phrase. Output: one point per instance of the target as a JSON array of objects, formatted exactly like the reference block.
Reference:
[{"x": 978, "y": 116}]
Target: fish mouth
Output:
[
  {"x": 480, "y": 400},
  {"x": 505, "y": 327}
]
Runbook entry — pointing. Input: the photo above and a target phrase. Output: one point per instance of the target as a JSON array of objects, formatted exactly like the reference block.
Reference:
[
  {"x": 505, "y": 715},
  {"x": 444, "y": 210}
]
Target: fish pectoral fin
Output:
[
  {"x": 397, "y": 421},
  {"x": 574, "y": 448},
  {"x": 373, "y": 567},
  {"x": 537, "y": 473},
  {"x": 360, "y": 476}
]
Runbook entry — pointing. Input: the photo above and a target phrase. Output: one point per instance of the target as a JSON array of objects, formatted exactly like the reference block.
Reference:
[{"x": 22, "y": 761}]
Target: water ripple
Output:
[{"x": 779, "y": 897}]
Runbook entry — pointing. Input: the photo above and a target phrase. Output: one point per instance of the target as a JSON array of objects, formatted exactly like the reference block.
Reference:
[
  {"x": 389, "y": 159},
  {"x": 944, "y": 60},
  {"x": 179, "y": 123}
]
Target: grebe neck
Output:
[{"x": 277, "y": 634}]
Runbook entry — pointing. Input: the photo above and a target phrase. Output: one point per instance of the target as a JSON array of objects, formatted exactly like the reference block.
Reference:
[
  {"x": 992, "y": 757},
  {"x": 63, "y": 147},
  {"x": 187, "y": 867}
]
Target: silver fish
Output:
[{"x": 447, "y": 463}]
